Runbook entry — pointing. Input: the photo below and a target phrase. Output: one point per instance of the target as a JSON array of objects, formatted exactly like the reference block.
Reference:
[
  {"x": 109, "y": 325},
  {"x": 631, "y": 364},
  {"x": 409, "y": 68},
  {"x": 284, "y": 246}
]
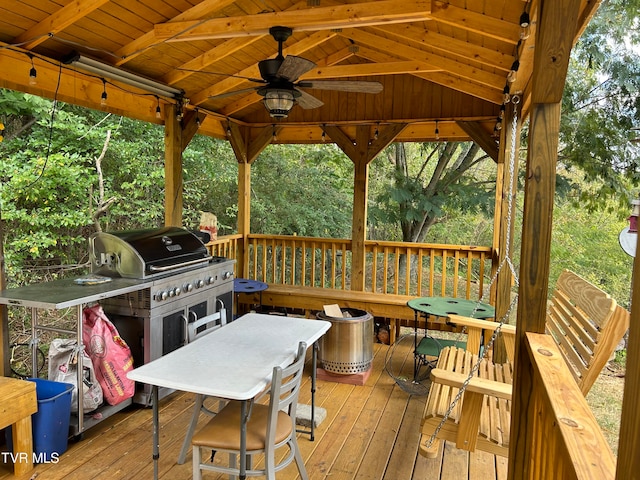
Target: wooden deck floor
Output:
[{"x": 371, "y": 432}]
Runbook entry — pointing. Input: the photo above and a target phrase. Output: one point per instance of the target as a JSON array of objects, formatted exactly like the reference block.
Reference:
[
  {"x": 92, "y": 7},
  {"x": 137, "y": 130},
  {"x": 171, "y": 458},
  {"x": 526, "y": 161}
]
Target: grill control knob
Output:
[
  {"x": 162, "y": 296},
  {"x": 172, "y": 292},
  {"x": 210, "y": 280},
  {"x": 187, "y": 287},
  {"x": 177, "y": 291},
  {"x": 226, "y": 275},
  {"x": 199, "y": 283}
]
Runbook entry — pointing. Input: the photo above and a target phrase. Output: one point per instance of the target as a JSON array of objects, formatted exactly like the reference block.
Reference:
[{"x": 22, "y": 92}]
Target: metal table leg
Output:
[{"x": 156, "y": 431}]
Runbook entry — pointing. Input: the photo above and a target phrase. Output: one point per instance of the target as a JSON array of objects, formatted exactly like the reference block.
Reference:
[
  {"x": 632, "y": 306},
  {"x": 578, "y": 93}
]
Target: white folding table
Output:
[{"x": 234, "y": 362}]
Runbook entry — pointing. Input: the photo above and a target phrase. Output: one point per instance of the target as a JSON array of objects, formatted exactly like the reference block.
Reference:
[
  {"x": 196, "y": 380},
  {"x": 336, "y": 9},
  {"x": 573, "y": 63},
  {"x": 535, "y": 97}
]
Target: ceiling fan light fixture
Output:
[{"x": 279, "y": 102}]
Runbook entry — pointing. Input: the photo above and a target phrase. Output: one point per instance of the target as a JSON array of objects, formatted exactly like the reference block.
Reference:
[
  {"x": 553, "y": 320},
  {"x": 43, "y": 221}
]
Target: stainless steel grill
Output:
[{"x": 186, "y": 283}]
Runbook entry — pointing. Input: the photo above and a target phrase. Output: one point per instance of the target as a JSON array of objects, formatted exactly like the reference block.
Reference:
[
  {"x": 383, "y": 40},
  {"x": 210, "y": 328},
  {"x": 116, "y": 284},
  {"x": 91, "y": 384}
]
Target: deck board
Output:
[{"x": 371, "y": 433}]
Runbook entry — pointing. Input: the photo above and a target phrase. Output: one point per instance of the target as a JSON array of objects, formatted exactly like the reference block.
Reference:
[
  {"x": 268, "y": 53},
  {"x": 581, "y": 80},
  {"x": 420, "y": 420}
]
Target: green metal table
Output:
[{"x": 441, "y": 307}]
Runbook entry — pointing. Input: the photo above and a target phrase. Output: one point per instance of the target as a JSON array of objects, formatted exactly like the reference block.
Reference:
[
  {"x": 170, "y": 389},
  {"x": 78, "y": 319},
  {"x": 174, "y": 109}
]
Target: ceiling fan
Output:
[{"x": 282, "y": 90}]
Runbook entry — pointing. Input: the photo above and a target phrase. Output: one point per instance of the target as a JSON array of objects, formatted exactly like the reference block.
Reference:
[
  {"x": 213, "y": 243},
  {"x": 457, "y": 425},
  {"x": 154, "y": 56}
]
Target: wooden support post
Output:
[
  {"x": 172, "y": 168},
  {"x": 247, "y": 151},
  {"x": 629, "y": 440},
  {"x": 361, "y": 151},
  {"x": 504, "y": 226}
]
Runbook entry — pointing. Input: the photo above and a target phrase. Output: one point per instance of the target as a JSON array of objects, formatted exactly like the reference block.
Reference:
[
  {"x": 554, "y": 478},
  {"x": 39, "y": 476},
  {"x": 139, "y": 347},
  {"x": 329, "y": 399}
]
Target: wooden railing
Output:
[
  {"x": 414, "y": 269},
  {"x": 566, "y": 441}
]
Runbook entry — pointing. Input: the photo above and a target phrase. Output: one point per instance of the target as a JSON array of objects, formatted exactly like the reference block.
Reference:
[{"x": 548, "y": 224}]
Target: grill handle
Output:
[{"x": 153, "y": 268}]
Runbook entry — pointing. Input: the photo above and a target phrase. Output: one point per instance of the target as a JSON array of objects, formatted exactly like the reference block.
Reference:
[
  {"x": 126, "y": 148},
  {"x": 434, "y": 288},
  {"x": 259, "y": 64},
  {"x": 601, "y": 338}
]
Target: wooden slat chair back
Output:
[{"x": 586, "y": 324}]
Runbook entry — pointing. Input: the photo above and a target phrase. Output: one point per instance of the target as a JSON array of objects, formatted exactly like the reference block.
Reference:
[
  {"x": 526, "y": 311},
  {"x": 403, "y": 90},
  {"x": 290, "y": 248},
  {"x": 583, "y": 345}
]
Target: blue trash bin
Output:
[{"x": 50, "y": 424}]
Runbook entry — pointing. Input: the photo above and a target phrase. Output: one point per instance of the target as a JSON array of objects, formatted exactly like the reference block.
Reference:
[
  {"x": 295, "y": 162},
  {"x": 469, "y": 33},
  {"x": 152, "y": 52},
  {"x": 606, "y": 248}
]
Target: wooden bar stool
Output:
[{"x": 18, "y": 402}]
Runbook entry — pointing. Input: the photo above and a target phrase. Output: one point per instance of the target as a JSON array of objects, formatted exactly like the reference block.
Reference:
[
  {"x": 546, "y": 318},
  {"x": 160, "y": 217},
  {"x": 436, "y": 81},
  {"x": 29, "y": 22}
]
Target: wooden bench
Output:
[
  {"x": 18, "y": 402},
  {"x": 585, "y": 323},
  {"x": 312, "y": 299}
]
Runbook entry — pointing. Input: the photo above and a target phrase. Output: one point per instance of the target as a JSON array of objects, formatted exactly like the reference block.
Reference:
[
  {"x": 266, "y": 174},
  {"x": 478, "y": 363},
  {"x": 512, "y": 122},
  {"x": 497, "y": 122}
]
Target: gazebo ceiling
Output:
[{"x": 443, "y": 65}]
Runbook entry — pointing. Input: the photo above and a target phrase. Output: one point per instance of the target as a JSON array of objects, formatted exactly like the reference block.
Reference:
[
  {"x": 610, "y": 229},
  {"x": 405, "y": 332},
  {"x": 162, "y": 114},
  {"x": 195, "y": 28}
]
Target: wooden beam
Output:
[
  {"x": 386, "y": 135},
  {"x": 190, "y": 125},
  {"x": 316, "y": 18},
  {"x": 483, "y": 138},
  {"x": 138, "y": 46},
  {"x": 369, "y": 69},
  {"x": 235, "y": 135},
  {"x": 262, "y": 141},
  {"x": 342, "y": 140},
  {"x": 57, "y": 22}
]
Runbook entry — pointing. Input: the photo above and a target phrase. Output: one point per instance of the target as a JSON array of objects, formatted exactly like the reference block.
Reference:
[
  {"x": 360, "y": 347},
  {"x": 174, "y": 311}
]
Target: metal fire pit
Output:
[{"x": 347, "y": 347}]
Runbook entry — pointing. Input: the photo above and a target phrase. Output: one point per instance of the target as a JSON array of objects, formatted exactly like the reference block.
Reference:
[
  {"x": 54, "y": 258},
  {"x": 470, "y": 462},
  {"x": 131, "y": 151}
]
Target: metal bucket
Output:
[{"x": 347, "y": 347}]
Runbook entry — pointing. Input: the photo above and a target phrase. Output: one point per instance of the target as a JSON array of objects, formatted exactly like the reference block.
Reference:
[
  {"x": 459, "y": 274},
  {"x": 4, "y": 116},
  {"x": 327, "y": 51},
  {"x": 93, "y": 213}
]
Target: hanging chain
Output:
[{"x": 507, "y": 260}]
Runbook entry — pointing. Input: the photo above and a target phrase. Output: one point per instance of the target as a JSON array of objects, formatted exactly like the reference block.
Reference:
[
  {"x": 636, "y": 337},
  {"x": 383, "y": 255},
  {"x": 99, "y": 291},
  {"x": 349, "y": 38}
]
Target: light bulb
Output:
[
  {"x": 33, "y": 76},
  {"x": 525, "y": 26},
  {"x": 103, "y": 98},
  {"x": 513, "y": 73}
]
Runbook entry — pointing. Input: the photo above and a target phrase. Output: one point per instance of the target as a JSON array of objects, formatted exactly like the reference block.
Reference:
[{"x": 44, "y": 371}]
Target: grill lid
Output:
[{"x": 146, "y": 253}]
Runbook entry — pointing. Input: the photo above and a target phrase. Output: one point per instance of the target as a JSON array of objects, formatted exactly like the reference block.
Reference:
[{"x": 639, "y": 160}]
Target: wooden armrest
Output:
[
  {"x": 476, "y": 384},
  {"x": 483, "y": 324}
]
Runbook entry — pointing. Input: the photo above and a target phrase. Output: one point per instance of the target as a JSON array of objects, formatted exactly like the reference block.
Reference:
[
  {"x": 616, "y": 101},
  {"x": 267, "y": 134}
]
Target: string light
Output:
[
  {"x": 437, "y": 131},
  {"x": 525, "y": 26},
  {"x": 228, "y": 129},
  {"x": 33, "y": 74},
  {"x": 513, "y": 73},
  {"x": 324, "y": 135},
  {"x": 376, "y": 133},
  {"x": 158, "y": 110},
  {"x": 275, "y": 137},
  {"x": 103, "y": 97},
  {"x": 506, "y": 96},
  {"x": 198, "y": 118}
]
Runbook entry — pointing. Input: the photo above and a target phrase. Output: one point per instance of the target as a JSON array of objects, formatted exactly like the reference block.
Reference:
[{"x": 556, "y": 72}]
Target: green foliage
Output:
[{"x": 302, "y": 190}]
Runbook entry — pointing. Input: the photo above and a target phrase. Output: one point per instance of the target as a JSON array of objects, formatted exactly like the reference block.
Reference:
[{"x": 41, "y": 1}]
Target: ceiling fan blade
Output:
[
  {"x": 308, "y": 101},
  {"x": 343, "y": 85},
  {"x": 234, "y": 92},
  {"x": 292, "y": 67}
]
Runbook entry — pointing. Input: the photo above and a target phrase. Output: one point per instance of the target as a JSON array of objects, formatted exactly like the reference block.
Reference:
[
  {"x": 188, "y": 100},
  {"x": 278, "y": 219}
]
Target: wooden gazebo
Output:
[{"x": 447, "y": 70}]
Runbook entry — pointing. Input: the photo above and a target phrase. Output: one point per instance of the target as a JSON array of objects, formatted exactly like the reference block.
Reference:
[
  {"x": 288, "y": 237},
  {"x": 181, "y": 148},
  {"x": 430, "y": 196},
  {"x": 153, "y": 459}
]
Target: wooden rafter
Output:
[{"x": 317, "y": 18}]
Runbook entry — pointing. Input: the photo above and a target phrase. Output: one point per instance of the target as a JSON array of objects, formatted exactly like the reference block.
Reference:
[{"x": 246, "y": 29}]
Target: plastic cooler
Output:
[{"x": 50, "y": 424}]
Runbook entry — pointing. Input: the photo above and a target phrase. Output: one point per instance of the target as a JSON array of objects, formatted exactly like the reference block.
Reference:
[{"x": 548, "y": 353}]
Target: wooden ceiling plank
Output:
[
  {"x": 446, "y": 79},
  {"x": 317, "y": 18},
  {"x": 412, "y": 53},
  {"x": 57, "y": 22},
  {"x": 415, "y": 35},
  {"x": 476, "y": 22},
  {"x": 142, "y": 43}
]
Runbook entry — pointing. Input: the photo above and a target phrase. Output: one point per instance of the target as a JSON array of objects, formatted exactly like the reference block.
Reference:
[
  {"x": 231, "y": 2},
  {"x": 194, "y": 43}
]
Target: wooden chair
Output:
[
  {"x": 269, "y": 427},
  {"x": 194, "y": 330},
  {"x": 585, "y": 323}
]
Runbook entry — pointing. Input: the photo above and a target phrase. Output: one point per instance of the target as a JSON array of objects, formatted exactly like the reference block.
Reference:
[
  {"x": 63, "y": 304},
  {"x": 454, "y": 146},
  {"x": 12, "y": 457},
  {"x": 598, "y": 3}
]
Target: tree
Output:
[{"x": 431, "y": 181}]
